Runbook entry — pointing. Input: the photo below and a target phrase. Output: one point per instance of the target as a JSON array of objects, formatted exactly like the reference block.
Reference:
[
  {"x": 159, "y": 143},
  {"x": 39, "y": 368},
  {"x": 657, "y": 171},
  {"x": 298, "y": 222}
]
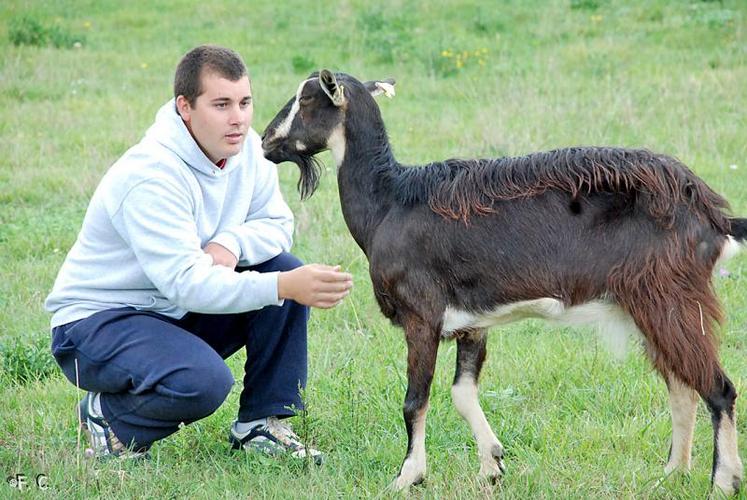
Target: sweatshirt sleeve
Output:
[
  {"x": 268, "y": 228},
  {"x": 155, "y": 218}
]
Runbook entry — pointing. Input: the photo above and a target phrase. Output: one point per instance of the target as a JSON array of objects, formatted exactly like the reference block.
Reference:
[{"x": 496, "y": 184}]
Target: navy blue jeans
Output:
[{"x": 155, "y": 372}]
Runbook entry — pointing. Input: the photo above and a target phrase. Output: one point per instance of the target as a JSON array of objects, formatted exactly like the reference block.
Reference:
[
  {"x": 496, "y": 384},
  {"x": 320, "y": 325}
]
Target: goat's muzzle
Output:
[{"x": 275, "y": 155}]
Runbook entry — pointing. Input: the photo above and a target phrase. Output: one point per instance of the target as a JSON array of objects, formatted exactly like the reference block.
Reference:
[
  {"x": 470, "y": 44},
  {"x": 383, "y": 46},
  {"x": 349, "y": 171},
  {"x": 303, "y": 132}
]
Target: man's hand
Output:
[
  {"x": 221, "y": 255},
  {"x": 315, "y": 285}
]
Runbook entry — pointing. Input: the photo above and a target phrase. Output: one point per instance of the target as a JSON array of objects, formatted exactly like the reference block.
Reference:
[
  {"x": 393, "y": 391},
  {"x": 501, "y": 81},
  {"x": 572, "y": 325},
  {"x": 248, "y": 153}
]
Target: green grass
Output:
[{"x": 669, "y": 76}]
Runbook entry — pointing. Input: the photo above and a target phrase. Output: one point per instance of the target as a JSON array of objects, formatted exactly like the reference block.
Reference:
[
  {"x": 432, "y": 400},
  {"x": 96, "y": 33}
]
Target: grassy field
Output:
[{"x": 80, "y": 81}]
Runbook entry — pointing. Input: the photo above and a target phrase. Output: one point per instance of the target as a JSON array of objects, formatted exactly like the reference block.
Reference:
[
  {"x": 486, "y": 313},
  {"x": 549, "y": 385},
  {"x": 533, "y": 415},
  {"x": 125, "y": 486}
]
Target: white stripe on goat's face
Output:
[{"x": 284, "y": 127}]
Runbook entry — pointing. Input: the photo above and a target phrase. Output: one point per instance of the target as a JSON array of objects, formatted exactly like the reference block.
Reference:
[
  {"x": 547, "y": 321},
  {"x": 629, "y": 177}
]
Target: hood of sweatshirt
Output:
[
  {"x": 142, "y": 239},
  {"x": 170, "y": 131}
]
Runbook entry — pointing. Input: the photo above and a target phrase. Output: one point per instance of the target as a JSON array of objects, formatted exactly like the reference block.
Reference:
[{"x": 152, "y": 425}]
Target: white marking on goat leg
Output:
[
  {"x": 683, "y": 402},
  {"x": 728, "y": 474},
  {"x": 284, "y": 127},
  {"x": 336, "y": 144},
  {"x": 413, "y": 468},
  {"x": 489, "y": 449}
]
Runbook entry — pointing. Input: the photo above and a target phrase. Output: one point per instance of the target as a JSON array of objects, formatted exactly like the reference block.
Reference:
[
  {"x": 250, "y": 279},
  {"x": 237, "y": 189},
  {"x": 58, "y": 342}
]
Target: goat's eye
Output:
[{"x": 305, "y": 99}]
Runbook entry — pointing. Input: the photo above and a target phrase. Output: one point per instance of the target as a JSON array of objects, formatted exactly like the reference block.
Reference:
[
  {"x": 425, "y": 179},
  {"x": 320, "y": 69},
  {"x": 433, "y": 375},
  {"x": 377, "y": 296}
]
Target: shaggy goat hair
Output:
[{"x": 619, "y": 237}]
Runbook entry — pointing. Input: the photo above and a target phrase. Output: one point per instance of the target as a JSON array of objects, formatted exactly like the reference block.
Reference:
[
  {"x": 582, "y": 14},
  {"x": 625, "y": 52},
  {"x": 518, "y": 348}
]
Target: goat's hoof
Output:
[
  {"x": 728, "y": 478},
  {"x": 401, "y": 483},
  {"x": 728, "y": 486},
  {"x": 492, "y": 467},
  {"x": 497, "y": 452},
  {"x": 675, "y": 467},
  {"x": 492, "y": 472},
  {"x": 491, "y": 479},
  {"x": 412, "y": 472}
]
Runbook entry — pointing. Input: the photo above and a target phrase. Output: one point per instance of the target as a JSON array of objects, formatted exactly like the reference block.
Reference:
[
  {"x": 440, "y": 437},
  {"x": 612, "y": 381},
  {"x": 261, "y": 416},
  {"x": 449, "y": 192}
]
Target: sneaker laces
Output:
[
  {"x": 283, "y": 433},
  {"x": 115, "y": 444}
]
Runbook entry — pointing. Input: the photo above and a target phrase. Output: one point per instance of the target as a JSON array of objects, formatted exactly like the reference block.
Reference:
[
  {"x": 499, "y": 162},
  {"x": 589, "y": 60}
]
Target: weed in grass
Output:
[
  {"x": 27, "y": 359},
  {"x": 585, "y": 4},
  {"x": 303, "y": 64},
  {"x": 483, "y": 24},
  {"x": 27, "y": 30},
  {"x": 451, "y": 62},
  {"x": 388, "y": 38},
  {"x": 713, "y": 18}
]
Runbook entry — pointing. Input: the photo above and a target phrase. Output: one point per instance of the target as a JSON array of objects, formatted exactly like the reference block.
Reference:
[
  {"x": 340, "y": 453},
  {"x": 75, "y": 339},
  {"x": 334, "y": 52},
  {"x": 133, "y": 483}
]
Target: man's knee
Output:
[{"x": 205, "y": 388}]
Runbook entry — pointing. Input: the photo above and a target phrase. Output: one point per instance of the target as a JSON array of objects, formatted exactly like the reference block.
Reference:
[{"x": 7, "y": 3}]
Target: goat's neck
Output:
[{"x": 363, "y": 161}]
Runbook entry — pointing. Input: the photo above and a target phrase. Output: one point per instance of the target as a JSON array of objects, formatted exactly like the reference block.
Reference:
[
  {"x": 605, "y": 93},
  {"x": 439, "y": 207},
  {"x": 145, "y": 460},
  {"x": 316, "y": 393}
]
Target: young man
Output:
[{"x": 183, "y": 260}]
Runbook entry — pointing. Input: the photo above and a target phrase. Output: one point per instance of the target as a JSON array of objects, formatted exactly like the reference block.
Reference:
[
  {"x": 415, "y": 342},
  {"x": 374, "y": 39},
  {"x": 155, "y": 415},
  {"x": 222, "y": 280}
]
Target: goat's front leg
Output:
[
  {"x": 470, "y": 357},
  {"x": 422, "y": 348}
]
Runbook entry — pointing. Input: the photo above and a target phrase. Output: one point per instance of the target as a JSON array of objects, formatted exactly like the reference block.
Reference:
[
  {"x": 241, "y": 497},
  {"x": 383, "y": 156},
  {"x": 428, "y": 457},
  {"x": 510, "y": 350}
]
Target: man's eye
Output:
[{"x": 220, "y": 105}]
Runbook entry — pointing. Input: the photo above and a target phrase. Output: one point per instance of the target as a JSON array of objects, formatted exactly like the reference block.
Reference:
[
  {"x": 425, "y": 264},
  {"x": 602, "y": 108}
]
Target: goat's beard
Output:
[{"x": 311, "y": 171}]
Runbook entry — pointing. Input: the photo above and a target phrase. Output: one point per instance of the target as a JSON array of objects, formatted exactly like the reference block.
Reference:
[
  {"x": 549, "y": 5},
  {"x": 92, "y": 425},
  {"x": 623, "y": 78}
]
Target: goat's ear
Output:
[
  {"x": 330, "y": 87},
  {"x": 378, "y": 87}
]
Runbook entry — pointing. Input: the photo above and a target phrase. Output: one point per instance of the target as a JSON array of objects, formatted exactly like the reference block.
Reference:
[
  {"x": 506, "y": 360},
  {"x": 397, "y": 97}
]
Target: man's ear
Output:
[{"x": 183, "y": 108}]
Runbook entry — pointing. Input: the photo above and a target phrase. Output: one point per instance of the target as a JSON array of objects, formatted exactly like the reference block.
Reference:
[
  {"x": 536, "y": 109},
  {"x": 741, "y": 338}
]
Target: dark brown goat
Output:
[{"x": 626, "y": 238}]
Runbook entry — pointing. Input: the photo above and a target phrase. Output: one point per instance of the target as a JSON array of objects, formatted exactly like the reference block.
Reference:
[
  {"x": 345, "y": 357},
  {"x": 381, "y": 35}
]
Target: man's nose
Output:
[{"x": 238, "y": 115}]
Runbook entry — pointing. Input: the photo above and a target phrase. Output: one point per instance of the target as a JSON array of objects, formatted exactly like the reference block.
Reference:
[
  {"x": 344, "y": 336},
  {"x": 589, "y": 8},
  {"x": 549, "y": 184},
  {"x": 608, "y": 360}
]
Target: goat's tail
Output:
[
  {"x": 736, "y": 239},
  {"x": 738, "y": 230}
]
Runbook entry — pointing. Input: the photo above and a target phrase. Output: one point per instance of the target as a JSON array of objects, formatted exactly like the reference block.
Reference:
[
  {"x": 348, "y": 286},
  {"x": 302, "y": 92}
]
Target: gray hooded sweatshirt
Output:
[{"x": 151, "y": 215}]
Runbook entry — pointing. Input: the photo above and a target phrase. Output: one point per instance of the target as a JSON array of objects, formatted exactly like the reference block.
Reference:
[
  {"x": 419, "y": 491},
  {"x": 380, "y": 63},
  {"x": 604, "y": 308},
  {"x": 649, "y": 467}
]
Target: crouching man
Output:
[{"x": 181, "y": 261}]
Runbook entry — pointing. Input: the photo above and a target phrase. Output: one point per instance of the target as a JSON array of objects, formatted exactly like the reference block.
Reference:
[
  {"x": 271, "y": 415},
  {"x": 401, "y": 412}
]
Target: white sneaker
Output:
[{"x": 274, "y": 438}]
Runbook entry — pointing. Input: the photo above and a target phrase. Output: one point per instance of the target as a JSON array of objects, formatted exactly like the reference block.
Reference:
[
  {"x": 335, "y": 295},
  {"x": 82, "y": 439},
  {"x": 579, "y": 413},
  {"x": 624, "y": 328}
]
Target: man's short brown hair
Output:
[{"x": 205, "y": 58}]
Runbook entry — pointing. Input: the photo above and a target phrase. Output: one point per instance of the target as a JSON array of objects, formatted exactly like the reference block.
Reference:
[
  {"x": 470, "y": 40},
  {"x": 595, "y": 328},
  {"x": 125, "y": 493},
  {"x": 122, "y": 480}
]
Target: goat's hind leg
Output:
[
  {"x": 727, "y": 466},
  {"x": 471, "y": 352},
  {"x": 422, "y": 349},
  {"x": 683, "y": 401}
]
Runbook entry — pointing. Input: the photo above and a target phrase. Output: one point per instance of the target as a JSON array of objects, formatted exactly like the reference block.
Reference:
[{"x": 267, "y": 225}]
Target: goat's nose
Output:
[
  {"x": 266, "y": 143},
  {"x": 267, "y": 139}
]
